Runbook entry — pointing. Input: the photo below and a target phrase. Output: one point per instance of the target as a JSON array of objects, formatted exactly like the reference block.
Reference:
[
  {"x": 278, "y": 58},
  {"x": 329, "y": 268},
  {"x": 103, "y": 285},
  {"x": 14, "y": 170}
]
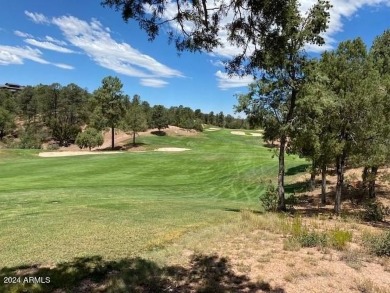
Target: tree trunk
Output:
[
  {"x": 323, "y": 184},
  {"x": 282, "y": 202},
  {"x": 112, "y": 137},
  {"x": 340, "y": 181},
  {"x": 312, "y": 176},
  {"x": 371, "y": 182},
  {"x": 364, "y": 177},
  {"x": 133, "y": 138}
]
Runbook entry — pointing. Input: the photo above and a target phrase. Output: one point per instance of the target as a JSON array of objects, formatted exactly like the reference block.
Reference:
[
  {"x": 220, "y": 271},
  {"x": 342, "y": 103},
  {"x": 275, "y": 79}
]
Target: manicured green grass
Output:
[{"x": 116, "y": 206}]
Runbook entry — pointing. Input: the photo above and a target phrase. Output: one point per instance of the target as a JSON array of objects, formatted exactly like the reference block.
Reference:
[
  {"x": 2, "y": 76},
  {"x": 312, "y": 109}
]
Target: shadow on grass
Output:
[
  {"x": 270, "y": 145},
  {"x": 240, "y": 210},
  {"x": 128, "y": 146},
  {"x": 159, "y": 133},
  {"x": 108, "y": 149},
  {"x": 93, "y": 274},
  {"x": 297, "y": 169},
  {"x": 296, "y": 187}
]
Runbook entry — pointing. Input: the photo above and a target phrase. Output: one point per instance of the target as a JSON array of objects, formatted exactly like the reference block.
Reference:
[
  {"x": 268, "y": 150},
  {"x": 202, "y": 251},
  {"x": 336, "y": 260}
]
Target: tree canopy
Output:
[
  {"x": 265, "y": 31},
  {"x": 111, "y": 104}
]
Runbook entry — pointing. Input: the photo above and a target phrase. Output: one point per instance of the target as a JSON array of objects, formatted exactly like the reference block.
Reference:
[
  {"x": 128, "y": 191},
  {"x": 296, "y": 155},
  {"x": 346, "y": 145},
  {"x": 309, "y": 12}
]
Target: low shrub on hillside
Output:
[
  {"x": 90, "y": 138},
  {"x": 335, "y": 238},
  {"x": 338, "y": 238},
  {"x": 374, "y": 211},
  {"x": 31, "y": 138},
  {"x": 269, "y": 200},
  {"x": 378, "y": 244},
  {"x": 312, "y": 239}
]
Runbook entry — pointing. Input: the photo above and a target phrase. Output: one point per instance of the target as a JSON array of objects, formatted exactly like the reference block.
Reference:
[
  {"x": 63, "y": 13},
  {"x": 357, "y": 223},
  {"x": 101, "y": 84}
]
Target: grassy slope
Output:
[{"x": 54, "y": 209}]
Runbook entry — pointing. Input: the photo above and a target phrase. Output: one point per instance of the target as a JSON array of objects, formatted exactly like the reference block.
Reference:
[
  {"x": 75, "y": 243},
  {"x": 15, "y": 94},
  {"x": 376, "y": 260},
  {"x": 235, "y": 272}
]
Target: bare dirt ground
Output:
[
  {"x": 121, "y": 140},
  {"x": 261, "y": 257},
  {"x": 321, "y": 270},
  {"x": 352, "y": 196},
  {"x": 257, "y": 251}
]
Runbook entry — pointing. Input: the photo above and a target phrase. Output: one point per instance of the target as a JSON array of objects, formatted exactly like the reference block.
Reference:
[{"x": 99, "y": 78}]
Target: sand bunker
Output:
[
  {"x": 238, "y": 132},
  {"x": 74, "y": 153},
  {"x": 171, "y": 150},
  {"x": 256, "y": 134},
  {"x": 212, "y": 129}
]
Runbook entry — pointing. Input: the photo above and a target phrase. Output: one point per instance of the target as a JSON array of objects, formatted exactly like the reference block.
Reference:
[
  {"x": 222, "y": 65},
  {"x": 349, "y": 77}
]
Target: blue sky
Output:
[{"x": 68, "y": 41}]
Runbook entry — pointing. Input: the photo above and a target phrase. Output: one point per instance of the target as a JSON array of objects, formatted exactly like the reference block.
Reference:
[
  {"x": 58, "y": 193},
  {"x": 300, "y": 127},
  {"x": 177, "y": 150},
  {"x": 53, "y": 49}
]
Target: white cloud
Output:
[
  {"x": 48, "y": 46},
  {"x": 48, "y": 42},
  {"x": 151, "y": 82},
  {"x": 16, "y": 55},
  {"x": 55, "y": 41},
  {"x": 22, "y": 34},
  {"x": 227, "y": 82},
  {"x": 341, "y": 10},
  {"x": 95, "y": 40},
  {"x": 37, "y": 17},
  {"x": 63, "y": 66},
  {"x": 217, "y": 63}
]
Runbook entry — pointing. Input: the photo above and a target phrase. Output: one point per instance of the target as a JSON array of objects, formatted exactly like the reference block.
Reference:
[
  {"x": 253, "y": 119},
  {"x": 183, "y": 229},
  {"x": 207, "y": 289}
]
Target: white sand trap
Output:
[
  {"x": 238, "y": 132},
  {"x": 212, "y": 129},
  {"x": 256, "y": 134},
  {"x": 171, "y": 150},
  {"x": 74, "y": 153}
]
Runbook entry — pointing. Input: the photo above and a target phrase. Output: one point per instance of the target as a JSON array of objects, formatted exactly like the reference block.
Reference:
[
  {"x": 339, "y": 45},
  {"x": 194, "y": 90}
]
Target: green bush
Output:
[
  {"x": 31, "y": 138},
  {"x": 269, "y": 200},
  {"x": 339, "y": 238},
  {"x": 198, "y": 126},
  {"x": 312, "y": 239},
  {"x": 90, "y": 138},
  {"x": 305, "y": 237},
  {"x": 52, "y": 147},
  {"x": 374, "y": 211},
  {"x": 296, "y": 227},
  {"x": 379, "y": 244}
]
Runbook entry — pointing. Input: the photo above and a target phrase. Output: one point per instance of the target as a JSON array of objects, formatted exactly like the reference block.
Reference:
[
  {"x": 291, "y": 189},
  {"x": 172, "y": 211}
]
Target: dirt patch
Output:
[
  {"x": 74, "y": 153},
  {"x": 263, "y": 257},
  {"x": 123, "y": 139},
  {"x": 238, "y": 132},
  {"x": 171, "y": 131},
  {"x": 171, "y": 149},
  {"x": 353, "y": 195}
]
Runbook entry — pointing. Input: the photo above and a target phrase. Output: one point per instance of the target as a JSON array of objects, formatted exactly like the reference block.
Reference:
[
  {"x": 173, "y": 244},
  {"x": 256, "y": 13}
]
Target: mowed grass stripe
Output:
[{"x": 54, "y": 209}]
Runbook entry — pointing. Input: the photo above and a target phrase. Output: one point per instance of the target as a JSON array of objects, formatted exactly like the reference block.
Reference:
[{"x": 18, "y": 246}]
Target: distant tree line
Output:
[{"x": 58, "y": 113}]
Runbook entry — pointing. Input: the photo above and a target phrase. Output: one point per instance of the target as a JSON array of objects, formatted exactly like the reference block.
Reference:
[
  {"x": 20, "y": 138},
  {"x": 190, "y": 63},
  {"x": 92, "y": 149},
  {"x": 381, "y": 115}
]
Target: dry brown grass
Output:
[{"x": 255, "y": 243}]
